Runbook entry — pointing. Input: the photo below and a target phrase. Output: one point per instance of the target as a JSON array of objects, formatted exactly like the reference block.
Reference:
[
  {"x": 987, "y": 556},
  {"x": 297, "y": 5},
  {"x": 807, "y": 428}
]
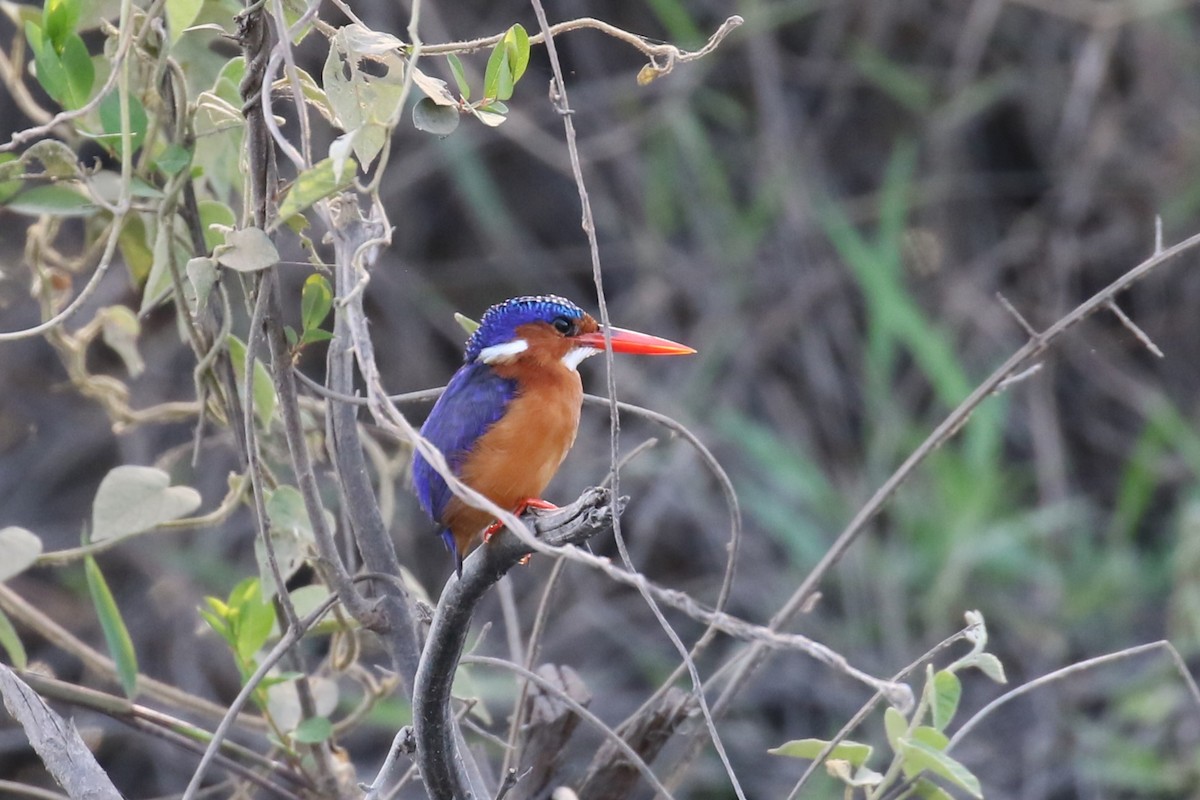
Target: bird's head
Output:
[{"x": 547, "y": 329}]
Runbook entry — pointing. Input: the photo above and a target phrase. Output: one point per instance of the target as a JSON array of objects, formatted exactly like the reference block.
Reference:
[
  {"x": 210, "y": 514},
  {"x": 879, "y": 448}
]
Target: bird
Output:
[{"x": 510, "y": 414}]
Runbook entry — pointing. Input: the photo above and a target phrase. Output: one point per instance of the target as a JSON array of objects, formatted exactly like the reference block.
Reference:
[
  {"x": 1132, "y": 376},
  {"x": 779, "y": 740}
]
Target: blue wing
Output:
[{"x": 475, "y": 399}]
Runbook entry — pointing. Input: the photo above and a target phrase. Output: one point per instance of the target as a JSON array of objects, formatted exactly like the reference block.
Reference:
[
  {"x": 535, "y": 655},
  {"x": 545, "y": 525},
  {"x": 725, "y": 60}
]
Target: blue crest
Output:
[{"x": 500, "y": 322}]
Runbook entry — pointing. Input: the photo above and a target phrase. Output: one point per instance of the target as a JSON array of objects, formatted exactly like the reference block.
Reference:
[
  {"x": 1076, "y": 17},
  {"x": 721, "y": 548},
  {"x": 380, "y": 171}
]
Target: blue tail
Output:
[{"x": 448, "y": 538}]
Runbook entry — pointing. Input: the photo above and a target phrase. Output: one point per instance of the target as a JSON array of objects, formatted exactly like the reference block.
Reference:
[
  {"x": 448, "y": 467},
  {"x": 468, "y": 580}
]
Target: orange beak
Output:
[{"x": 624, "y": 341}]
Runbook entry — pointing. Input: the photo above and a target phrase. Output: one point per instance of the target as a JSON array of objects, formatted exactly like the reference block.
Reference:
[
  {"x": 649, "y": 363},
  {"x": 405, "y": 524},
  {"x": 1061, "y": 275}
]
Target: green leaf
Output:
[
  {"x": 217, "y": 622},
  {"x": 854, "y": 753},
  {"x": 504, "y": 80},
  {"x": 116, "y": 635},
  {"x": 54, "y": 200},
  {"x": 466, "y": 323},
  {"x": 110, "y": 121},
  {"x": 255, "y": 618},
  {"x": 920, "y": 757},
  {"x": 460, "y": 77},
  {"x": 50, "y": 72},
  {"x": 516, "y": 42},
  {"x": 491, "y": 74},
  {"x": 931, "y": 737},
  {"x": 19, "y": 548},
  {"x": 247, "y": 250},
  {"x": 173, "y": 159},
  {"x": 202, "y": 276},
  {"x": 313, "y": 730},
  {"x": 80, "y": 73},
  {"x": 316, "y": 299},
  {"x": 180, "y": 15},
  {"x": 11, "y": 642},
  {"x": 291, "y": 536},
  {"x": 896, "y": 726},
  {"x": 61, "y": 17},
  {"x": 10, "y": 186},
  {"x": 928, "y": 790},
  {"x": 314, "y": 335},
  {"x": 315, "y": 184},
  {"x": 432, "y": 118},
  {"x": 132, "y": 499},
  {"x": 947, "y": 690},
  {"x": 265, "y": 399},
  {"x": 137, "y": 254}
]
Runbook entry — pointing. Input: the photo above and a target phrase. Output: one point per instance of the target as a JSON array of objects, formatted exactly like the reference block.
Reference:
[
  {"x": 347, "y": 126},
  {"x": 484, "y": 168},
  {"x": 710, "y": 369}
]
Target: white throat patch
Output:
[
  {"x": 503, "y": 352},
  {"x": 576, "y": 355}
]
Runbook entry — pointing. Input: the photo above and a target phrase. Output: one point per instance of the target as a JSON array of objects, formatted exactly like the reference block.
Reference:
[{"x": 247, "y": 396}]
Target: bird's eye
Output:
[{"x": 563, "y": 325}]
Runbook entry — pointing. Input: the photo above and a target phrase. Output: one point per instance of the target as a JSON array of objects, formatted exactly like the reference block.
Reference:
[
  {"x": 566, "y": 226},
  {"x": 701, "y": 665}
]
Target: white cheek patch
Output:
[
  {"x": 576, "y": 355},
  {"x": 503, "y": 352}
]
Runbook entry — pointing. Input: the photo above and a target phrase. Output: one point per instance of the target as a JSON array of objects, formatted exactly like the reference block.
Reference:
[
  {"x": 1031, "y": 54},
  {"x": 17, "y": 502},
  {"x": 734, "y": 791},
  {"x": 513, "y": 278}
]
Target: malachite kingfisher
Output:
[{"x": 510, "y": 413}]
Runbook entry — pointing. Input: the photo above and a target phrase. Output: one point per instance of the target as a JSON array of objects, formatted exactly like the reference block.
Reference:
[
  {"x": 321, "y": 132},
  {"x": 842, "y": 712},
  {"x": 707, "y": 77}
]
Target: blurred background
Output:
[{"x": 826, "y": 208}]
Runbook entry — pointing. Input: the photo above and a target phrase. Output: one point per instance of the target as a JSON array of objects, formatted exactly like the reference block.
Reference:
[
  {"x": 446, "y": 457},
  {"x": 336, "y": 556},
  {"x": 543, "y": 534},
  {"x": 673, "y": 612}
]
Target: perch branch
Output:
[{"x": 437, "y": 750}]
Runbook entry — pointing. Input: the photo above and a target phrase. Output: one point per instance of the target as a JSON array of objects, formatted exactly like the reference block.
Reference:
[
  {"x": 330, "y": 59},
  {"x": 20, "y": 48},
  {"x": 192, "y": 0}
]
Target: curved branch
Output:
[
  {"x": 437, "y": 751},
  {"x": 663, "y": 55}
]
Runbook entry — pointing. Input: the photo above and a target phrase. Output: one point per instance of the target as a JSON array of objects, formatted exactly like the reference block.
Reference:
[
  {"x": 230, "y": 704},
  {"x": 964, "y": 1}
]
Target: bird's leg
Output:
[{"x": 522, "y": 507}]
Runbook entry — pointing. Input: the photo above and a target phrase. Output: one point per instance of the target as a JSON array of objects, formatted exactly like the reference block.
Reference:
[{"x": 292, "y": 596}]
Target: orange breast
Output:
[{"x": 519, "y": 455}]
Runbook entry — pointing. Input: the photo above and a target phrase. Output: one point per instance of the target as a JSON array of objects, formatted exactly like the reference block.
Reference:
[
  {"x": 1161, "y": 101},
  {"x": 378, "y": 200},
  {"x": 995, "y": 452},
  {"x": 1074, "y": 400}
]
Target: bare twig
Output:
[
  {"x": 1133, "y": 328},
  {"x": 739, "y": 670},
  {"x": 663, "y": 56},
  {"x": 1082, "y": 666}
]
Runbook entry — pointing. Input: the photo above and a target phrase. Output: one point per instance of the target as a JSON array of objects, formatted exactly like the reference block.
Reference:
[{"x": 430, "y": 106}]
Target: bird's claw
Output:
[{"x": 522, "y": 507}]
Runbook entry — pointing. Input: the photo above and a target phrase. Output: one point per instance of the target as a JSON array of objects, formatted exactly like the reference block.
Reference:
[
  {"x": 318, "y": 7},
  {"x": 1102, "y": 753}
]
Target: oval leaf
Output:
[
  {"x": 248, "y": 250},
  {"x": 854, "y": 753},
  {"x": 316, "y": 298},
  {"x": 133, "y": 499},
  {"x": 265, "y": 399},
  {"x": 947, "y": 690},
  {"x": 116, "y": 635},
  {"x": 19, "y": 548},
  {"x": 432, "y": 118},
  {"x": 317, "y": 184}
]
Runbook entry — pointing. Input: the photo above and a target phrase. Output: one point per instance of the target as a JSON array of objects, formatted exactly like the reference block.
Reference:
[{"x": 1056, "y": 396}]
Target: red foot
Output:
[{"x": 527, "y": 503}]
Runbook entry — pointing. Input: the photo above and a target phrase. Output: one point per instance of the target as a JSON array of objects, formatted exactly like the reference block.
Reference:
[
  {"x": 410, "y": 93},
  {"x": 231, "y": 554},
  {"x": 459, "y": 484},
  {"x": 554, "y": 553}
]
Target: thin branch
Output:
[
  {"x": 745, "y": 664},
  {"x": 1133, "y": 328},
  {"x": 1073, "y": 669},
  {"x": 663, "y": 56}
]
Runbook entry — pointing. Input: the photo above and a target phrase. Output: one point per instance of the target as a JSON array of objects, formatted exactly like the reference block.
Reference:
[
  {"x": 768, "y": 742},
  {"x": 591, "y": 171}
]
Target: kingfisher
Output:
[{"x": 510, "y": 413}]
